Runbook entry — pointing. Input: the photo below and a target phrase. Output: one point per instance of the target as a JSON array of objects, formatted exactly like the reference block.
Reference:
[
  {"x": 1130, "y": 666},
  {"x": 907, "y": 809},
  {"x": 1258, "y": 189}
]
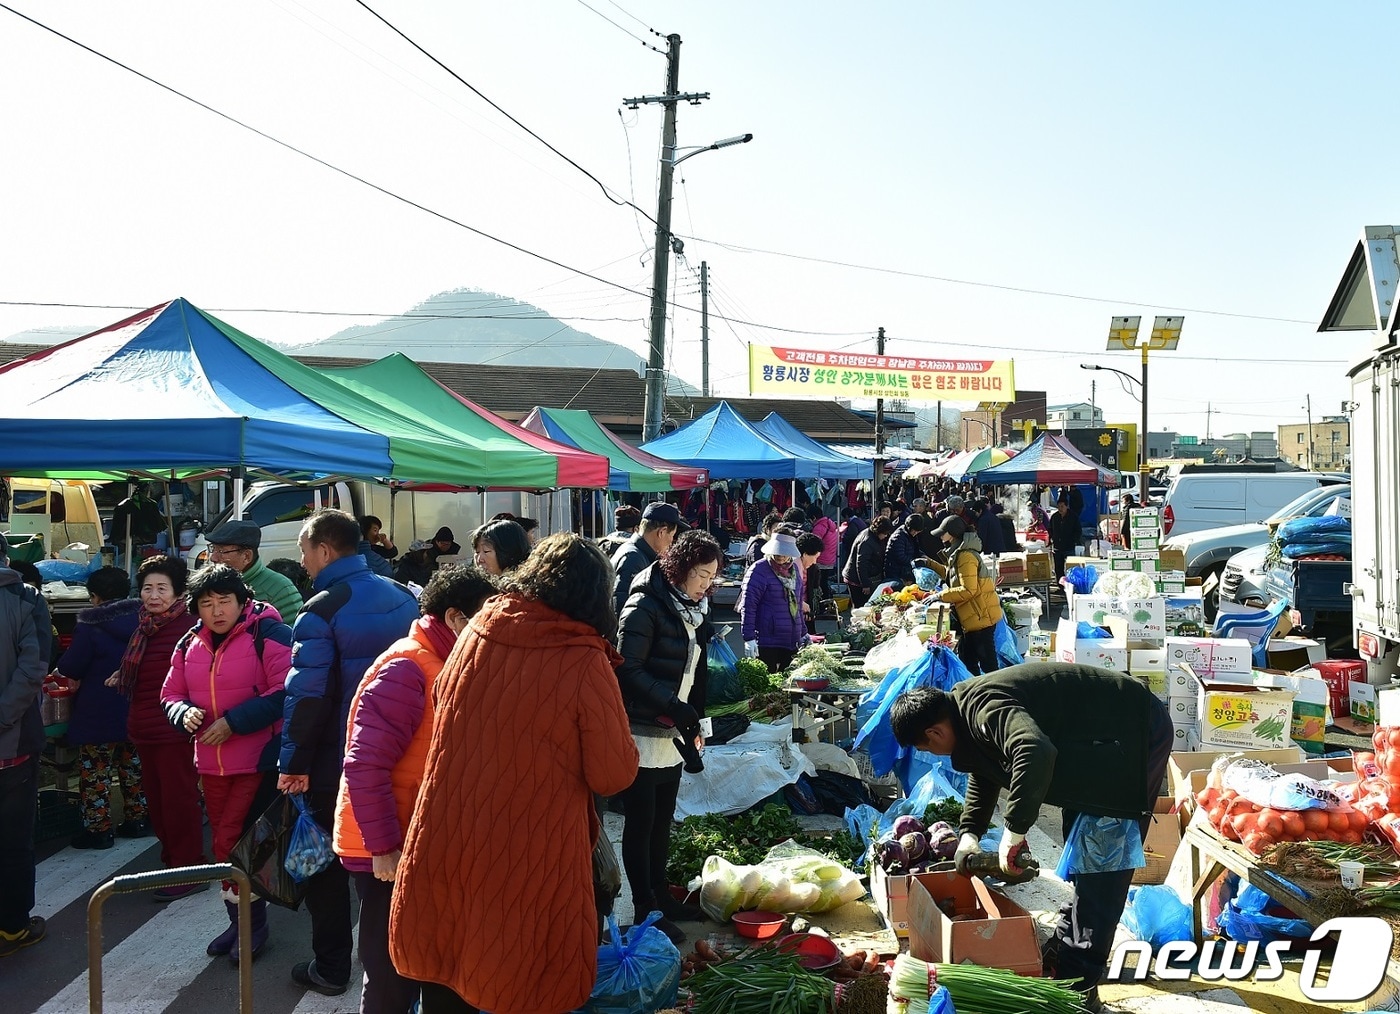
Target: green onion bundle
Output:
[
  {"x": 1376, "y": 858},
  {"x": 977, "y": 990},
  {"x": 1383, "y": 896},
  {"x": 763, "y": 980}
]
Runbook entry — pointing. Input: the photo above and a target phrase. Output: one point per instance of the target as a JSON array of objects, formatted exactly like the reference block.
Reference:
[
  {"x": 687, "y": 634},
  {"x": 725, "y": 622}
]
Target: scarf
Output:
[
  {"x": 787, "y": 577},
  {"x": 692, "y": 613},
  {"x": 146, "y": 625}
]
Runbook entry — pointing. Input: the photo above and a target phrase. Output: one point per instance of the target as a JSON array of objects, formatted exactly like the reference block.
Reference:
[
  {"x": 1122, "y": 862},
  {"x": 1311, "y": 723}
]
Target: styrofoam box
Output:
[
  {"x": 1147, "y": 618},
  {"x": 1218, "y": 655},
  {"x": 1186, "y": 736},
  {"x": 1183, "y": 709}
]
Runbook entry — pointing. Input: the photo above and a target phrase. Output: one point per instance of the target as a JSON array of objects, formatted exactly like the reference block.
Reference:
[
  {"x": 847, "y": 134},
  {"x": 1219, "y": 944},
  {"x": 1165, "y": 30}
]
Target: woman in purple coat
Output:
[
  {"x": 98, "y": 724},
  {"x": 771, "y": 604}
]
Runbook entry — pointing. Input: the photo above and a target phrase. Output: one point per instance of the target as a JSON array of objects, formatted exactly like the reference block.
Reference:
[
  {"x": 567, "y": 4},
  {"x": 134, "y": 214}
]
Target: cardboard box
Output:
[
  {"x": 1039, "y": 567},
  {"x": 1184, "y": 710},
  {"x": 890, "y": 892},
  {"x": 1309, "y": 706},
  {"x": 1185, "y": 767},
  {"x": 1149, "y": 665},
  {"x": 1012, "y": 567},
  {"x": 1144, "y": 517},
  {"x": 986, "y": 928},
  {"x": 1172, "y": 559},
  {"x": 1146, "y": 618},
  {"x": 1181, "y": 682},
  {"x": 1141, "y": 540},
  {"x": 1106, "y": 653},
  {"x": 1184, "y": 611},
  {"x": 1216, "y": 655},
  {"x": 1242, "y": 716},
  {"x": 1186, "y": 736},
  {"x": 1289, "y": 654},
  {"x": 1163, "y": 839},
  {"x": 1040, "y": 646},
  {"x": 1171, "y": 582},
  {"x": 1362, "y": 698},
  {"x": 1387, "y": 706},
  {"x": 1142, "y": 561}
]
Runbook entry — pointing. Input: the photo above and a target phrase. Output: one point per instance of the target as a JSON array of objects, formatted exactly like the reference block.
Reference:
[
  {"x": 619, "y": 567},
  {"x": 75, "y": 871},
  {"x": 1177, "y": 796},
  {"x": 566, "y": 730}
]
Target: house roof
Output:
[
  {"x": 1067, "y": 405},
  {"x": 615, "y": 398}
]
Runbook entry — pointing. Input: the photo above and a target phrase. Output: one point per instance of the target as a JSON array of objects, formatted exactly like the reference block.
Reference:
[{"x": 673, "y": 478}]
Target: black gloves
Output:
[{"x": 688, "y": 731}]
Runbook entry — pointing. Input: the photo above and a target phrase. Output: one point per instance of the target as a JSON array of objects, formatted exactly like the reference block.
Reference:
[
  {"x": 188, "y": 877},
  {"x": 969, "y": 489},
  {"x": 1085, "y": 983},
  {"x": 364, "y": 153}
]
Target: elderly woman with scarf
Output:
[
  {"x": 770, "y": 603},
  {"x": 167, "y": 756},
  {"x": 663, "y": 636}
]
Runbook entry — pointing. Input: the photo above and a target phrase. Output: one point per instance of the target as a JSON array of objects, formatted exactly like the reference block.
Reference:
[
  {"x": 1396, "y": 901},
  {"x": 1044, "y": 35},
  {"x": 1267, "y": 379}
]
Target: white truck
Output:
[
  {"x": 1365, "y": 300},
  {"x": 280, "y": 508}
]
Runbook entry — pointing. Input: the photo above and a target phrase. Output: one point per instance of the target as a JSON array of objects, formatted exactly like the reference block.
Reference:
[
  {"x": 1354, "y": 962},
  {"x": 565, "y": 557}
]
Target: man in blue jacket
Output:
[{"x": 351, "y": 619}]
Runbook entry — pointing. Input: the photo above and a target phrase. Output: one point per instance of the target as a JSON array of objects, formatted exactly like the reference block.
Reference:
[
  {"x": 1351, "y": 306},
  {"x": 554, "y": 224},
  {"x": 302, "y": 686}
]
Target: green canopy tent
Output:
[{"x": 629, "y": 468}]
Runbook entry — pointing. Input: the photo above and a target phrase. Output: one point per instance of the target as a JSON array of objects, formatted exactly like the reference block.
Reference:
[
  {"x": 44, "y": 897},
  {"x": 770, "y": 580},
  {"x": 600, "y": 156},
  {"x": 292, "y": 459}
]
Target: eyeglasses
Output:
[{"x": 225, "y": 550}]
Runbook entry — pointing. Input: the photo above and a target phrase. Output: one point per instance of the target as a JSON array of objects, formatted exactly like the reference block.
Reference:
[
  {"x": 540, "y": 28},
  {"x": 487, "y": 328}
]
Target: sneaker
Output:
[
  {"x": 92, "y": 840},
  {"x": 31, "y": 934},
  {"x": 176, "y": 893},
  {"x": 1091, "y": 1002},
  {"x": 305, "y": 974},
  {"x": 135, "y": 829}
]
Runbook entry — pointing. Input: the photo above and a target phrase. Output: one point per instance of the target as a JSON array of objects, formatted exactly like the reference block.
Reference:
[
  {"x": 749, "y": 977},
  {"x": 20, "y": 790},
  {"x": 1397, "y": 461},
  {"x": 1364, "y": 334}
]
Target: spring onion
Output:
[
  {"x": 762, "y": 980},
  {"x": 1376, "y": 858},
  {"x": 983, "y": 990}
]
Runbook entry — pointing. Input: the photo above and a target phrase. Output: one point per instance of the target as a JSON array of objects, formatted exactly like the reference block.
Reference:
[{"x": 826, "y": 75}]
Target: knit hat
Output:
[{"x": 444, "y": 534}]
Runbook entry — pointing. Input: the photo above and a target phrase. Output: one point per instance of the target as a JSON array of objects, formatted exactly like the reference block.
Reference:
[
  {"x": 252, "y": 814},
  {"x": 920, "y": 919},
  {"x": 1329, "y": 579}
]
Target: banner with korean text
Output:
[{"x": 809, "y": 373}]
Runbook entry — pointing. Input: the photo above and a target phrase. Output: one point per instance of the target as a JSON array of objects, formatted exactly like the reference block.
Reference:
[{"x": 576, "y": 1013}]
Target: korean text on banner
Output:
[{"x": 811, "y": 373}]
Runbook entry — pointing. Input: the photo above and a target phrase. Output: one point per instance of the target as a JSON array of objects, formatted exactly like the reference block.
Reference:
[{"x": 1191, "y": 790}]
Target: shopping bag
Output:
[
  {"x": 310, "y": 850},
  {"x": 1156, "y": 914},
  {"x": 607, "y": 875},
  {"x": 636, "y": 974},
  {"x": 262, "y": 851},
  {"x": 723, "y": 685}
]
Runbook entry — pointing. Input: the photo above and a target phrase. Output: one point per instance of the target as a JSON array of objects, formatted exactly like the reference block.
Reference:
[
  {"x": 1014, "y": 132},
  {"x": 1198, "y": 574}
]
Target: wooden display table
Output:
[{"x": 1223, "y": 855}]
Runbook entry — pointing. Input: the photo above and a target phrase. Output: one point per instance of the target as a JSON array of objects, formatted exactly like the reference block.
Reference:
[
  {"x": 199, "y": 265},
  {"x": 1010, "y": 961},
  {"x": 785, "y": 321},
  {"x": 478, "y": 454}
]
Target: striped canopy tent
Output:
[
  {"x": 628, "y": 468},
  {"x": 1049, "y": 460},
  {"x": 973, "y": 461}
]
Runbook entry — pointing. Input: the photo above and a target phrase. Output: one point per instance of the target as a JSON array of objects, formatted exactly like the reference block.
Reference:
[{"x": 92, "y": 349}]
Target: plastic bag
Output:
[
  {"x": 636, "y": 974},
  {"x": 1263, "y": 786},
  {"x": 607, "y": 874},
  {"x": 1082, "y": 578},
  {"x": 790, "y": 878},
  {"x": 310, "y": 850},
  {"x": 1318, "y": 529},
  {"x": 262, "y": 851},
  {"x": 1246, "y": 918},
  {"x": 935, "y": 667},
  {"x": 1007, "y": 652},
  {"x": 723, "y": 685},
  {"x": 893, "y": 654},
  {"x": 939, "y": 783},
  {"x": 1101, "y": 845},
  {"x": 1157, "y": 914},
  {"x": 926, "y": 579}
]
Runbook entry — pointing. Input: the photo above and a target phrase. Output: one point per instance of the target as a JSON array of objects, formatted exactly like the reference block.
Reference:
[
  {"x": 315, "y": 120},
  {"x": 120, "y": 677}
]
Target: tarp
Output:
[
  {"x": 973, "y": 461},
  {"x": 491, "y": 452},
  {"x": 629, "y": 468},
  {"x": 829, "y": 464},
  {"x": 171, "y": 389},
  {"x": 1049, "y": 460},
  {"x": 726, "y": 444}
]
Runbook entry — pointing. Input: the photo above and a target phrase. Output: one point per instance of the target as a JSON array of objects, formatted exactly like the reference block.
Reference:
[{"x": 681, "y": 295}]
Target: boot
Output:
[
  {"x": 674, "y": 932},
  {"x": 225, "y": 941},
  {"x": 676, "y": 911},
  {"x": 260, "y": 931}
]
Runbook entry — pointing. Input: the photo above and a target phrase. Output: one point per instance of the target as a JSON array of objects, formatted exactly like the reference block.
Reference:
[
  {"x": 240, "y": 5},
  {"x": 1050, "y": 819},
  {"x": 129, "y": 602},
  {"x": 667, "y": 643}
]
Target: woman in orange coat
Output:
[{"x": 497, "y": 863}]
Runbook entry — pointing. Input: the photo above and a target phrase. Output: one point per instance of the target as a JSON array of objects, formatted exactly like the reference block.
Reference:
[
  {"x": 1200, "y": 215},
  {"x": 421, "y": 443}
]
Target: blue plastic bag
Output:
[
  {"x": 1101, "y": 845},
  {"x": 723, "y": 685},
  {"x": 638, "y": 974},
  {"x": 1086, "y": 631},
  {"x": 310, "y": 850},
  {"x": 933, "y": 786},
  {"x": 1082, "y": 578},
  {"x": 1246, "y": 918},
  {"x": 1157, "y": 914},
  {"x": 941, "y": 1002},
  {"x": 63, "y": 570},
  {"x": 937, "y": 667},
  {"x": 1309, "y": 529},
  {"x": 1007, "y": 652},
  {"x": 926, "y": 579}
]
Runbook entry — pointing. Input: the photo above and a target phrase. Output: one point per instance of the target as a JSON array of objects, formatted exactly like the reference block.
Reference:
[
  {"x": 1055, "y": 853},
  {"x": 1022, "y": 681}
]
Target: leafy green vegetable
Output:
[
  {"x": 756, "y": 678},
  {"x": 947, "y": 810},
  {"x": 745, "y": 839}
]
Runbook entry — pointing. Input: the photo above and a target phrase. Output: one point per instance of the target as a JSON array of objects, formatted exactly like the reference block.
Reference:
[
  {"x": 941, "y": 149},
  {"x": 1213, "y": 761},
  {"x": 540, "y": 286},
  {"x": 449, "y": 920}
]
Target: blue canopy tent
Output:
[
  {"x": 830, "y": 464},
  {"x": 729, "y": 446}
]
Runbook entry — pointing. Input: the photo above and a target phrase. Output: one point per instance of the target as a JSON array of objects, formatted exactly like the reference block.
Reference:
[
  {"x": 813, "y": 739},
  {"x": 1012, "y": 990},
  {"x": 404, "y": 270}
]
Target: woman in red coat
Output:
[
  {"x": 167, "y": 756},
  {"x": 497, "y": 862}
]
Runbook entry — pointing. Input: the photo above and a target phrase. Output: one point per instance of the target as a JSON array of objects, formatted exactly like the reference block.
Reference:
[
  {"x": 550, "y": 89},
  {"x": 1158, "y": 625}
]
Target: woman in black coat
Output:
[{"x": 663, "y": 635}]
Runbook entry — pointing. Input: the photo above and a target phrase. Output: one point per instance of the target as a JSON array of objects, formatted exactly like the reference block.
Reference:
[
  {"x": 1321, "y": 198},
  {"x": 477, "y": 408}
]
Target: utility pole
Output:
[
  {"x": 1207, "y": 421},
  {"x": 938, "y": 427},
  {"x": 879, "y": 439},
  {"x": 656, "y": 362},
  {"x": 1311, "y": 454},
  {"x": 1094, "y": 401},
  {"x": 705, "y": 328}
]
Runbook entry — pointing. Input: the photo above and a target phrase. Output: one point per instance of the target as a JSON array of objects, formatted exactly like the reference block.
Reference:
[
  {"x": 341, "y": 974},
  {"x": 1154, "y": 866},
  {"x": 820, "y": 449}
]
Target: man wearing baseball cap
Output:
[
  {"x": 236, "y": 543},
  {"x": 660, "y": 524}
]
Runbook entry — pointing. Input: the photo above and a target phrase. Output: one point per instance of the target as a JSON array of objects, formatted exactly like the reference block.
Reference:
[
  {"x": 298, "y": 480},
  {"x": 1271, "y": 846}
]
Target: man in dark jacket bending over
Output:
[{"x": 1081, "y": 738}]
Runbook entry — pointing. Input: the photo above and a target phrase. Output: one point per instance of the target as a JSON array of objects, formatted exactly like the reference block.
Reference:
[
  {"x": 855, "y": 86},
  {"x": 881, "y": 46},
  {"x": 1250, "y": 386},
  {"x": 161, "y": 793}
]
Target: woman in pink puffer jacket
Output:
[{"x": 225, "y": 687}]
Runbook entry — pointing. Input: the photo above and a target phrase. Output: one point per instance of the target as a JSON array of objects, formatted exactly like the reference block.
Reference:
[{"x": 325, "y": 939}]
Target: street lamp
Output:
[
  {"x": 1123, "y": 337},
  {"x": 656, "y": 361}
]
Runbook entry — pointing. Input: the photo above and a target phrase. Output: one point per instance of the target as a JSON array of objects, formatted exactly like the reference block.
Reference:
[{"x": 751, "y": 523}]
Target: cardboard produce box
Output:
[
  {"x": 890, "y": 892},
  {"x": 1187, "y": 767},
  {"x": 1210, "y": 654},
  {"x": 1184, "y": 612},
  {"x": 1310, "y": 695},
  {"x": 1011, "y": 567},
  {"x": 1289, "y": 654},
  {"x": 1163, "y": 839},
  {"x": 1172, "y": 559},
  {"x": 1039, "y": 567},
  {"x": 1243, "y": 716},
  {"x": 1106, "y": 653},
  {"x": 1171, "y": 582},
  {"x": 986, "y": 928},
  {"x": 1362, "y": 698},
  {"x": 1146, "y": 618},
  {"x": 1186, "y": 736}
]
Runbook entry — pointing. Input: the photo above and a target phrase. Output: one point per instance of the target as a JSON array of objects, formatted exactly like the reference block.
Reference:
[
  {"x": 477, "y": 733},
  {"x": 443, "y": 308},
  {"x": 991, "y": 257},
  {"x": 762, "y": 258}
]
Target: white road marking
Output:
[{"x": 66, "y": 876}]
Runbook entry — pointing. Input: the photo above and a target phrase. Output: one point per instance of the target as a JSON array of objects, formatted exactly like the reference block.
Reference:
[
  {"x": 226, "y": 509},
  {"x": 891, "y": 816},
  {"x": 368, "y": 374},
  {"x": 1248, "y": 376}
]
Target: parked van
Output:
[
  {"x": 61, "y": 511},
  {"x": 279, "y": 509},
  {"x": 1200, "y": 500}
]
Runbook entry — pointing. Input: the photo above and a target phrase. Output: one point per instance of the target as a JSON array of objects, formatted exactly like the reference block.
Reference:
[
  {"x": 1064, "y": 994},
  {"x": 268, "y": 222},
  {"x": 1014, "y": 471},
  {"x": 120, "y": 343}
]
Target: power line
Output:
[
  {"x": 625, "y": 31},
  {"x": 490, "y": 102},
  {"x": 542, "y": 315},
  {"x": 634, "y": 17},
  {"x": 991, "y": 285}
]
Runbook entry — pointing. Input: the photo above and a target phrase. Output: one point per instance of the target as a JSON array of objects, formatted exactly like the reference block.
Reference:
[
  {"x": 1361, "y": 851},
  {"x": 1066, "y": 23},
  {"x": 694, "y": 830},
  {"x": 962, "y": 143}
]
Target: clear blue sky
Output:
[{"x": 1135, "y": 159}]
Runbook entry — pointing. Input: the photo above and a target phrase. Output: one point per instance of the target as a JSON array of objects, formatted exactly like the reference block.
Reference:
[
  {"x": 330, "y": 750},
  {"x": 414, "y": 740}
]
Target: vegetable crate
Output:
[
  {"x": 58, "y": 816},
  {"x": 955, "y": 919},
  {"x": 891, "y": 894}
]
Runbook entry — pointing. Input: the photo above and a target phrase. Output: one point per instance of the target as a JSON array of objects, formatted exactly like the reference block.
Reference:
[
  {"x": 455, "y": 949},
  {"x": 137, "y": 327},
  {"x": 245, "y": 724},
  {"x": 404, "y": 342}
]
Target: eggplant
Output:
[{"x": 908, "y": 825}]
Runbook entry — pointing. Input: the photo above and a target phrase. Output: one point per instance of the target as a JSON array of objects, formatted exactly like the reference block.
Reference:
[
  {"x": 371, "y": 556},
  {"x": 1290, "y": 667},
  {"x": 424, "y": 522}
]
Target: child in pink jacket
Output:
[{"x": 225, "y": 687}]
